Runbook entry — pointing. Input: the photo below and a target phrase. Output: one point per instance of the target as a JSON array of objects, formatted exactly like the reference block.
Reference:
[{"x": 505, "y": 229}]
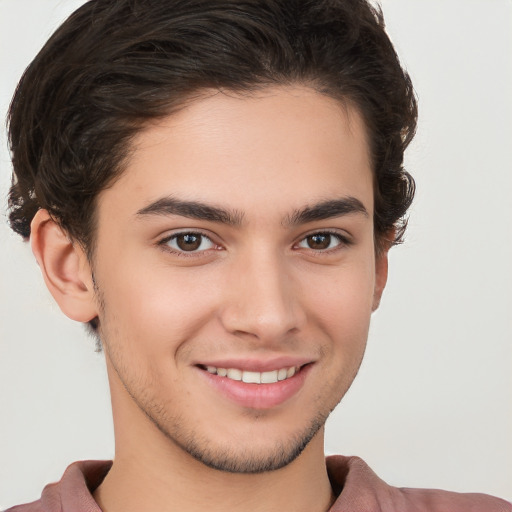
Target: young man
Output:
[{"x": 213, "y": 187}]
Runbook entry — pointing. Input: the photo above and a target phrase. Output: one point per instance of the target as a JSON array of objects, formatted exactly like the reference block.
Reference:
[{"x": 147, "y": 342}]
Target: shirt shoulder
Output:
[
  {"x": 74, "y": 491},
  {"x": 444, "y": 501},
  {"x": 361, "y": 490},
  {"x": 35, "y": 506}
]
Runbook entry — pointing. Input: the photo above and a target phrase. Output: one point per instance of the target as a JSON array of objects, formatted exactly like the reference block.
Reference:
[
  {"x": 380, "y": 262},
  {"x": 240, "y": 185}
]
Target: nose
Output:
[{"x": 262, "y": 299}]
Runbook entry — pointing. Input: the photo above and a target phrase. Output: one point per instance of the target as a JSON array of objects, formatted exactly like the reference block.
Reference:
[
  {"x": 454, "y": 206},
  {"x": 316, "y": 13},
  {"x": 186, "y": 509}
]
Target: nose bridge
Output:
[{"x": 262, "y": 301}]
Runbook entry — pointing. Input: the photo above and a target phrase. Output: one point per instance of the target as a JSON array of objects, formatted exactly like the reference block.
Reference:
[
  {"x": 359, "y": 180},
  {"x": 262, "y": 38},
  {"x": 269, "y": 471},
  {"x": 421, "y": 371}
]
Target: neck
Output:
[
  {"x": 148, "y": 480},
  {"x": 150, "y": 472}
]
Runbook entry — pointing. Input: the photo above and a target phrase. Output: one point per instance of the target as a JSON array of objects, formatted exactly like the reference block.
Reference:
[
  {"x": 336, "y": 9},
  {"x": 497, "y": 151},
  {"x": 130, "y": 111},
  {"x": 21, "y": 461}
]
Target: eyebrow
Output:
[
  {"x": 196, "y": 210},
  {"x": 326, "y": 210},
  {"x": 192, "y": 210}
]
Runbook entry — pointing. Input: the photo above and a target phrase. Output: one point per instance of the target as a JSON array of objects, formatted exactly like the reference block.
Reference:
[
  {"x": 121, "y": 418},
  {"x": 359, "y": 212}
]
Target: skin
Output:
[{"x": 255, "y": 290}]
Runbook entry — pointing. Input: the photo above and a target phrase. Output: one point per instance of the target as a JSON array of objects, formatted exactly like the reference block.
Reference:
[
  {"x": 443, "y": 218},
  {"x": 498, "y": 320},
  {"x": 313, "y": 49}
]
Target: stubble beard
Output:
[
  {"x": 245, "y": 460},
  {"x": 221, "y": 457}
]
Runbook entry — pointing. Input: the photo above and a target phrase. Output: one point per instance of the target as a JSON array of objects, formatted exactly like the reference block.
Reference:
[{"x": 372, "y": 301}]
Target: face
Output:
[{"x": 236, "y": 274}]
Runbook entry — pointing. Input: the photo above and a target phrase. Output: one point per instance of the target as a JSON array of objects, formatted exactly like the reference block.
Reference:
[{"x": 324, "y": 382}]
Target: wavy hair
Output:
[{"x": 115, "y": 65}]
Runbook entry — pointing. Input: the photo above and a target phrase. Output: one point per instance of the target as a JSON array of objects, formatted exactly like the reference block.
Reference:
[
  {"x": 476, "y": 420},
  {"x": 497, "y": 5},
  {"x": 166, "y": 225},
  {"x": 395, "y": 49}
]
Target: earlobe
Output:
[{"x": 65, "y": 268}]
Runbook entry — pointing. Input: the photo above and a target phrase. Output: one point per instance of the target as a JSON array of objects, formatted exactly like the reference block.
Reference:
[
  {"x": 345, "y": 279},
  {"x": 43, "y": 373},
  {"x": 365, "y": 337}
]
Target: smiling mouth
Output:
[{"x": 251, "y": 377}]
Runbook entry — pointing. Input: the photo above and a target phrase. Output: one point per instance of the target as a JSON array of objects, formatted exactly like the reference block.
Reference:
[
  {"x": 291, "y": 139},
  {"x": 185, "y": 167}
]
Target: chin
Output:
[
  {"x": 250, "y": 459},
  {"x": 257, "y": 450}
]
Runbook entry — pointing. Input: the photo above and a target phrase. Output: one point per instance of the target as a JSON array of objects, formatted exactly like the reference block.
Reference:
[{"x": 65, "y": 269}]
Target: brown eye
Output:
[
  {"x": 321, "y": 241},
  {"x": 189, "y": 242}
]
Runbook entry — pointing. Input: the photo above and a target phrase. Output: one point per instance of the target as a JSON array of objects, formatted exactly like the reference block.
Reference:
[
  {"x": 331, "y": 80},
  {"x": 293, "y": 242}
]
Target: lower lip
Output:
[{"x": 258, "y": 396}]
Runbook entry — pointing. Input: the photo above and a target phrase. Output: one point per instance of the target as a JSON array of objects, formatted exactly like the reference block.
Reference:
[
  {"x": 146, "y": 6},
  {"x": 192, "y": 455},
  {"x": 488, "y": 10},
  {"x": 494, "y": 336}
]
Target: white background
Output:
[{"x": 432, "y": 406}]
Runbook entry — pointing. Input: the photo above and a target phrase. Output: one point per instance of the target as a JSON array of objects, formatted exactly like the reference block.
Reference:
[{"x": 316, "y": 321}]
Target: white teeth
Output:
[
  {"x": 234, "y": 374},
  {"x": 282, "y": 373},
  {"x": 269, "y": 377},
  {"x": 290, "y": 372},
  {"x": 249, "y": 377}
]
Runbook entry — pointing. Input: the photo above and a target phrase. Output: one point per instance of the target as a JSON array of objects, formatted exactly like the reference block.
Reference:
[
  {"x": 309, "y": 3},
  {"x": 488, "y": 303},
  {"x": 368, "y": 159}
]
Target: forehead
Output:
[{"x": 276, "y": 148}]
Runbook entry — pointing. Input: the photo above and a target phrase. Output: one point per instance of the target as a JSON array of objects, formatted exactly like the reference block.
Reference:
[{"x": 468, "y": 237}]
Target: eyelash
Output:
[
  {"x": 343, "y": 242},
  {"x": 185, "y": 254}
]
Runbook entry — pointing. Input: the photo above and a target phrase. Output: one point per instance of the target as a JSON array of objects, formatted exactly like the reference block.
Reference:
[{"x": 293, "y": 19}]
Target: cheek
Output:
[
  {"x": 342, "y": 305},
  {"x": 158, "y": 310}
]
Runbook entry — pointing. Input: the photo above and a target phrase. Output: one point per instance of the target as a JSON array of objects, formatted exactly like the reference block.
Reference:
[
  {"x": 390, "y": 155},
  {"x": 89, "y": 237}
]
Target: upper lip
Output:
[{"x": 257, "y": 365}]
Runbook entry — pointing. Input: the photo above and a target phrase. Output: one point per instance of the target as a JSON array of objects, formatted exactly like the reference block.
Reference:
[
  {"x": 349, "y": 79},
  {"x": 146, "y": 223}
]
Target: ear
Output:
[
  {"x": 65, "y": 268},
  {"x": 381, "y": 272}
]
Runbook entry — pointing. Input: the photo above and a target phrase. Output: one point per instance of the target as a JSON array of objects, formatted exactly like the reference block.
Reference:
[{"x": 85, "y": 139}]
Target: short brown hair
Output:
[{"x": 114, "y": 65}]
